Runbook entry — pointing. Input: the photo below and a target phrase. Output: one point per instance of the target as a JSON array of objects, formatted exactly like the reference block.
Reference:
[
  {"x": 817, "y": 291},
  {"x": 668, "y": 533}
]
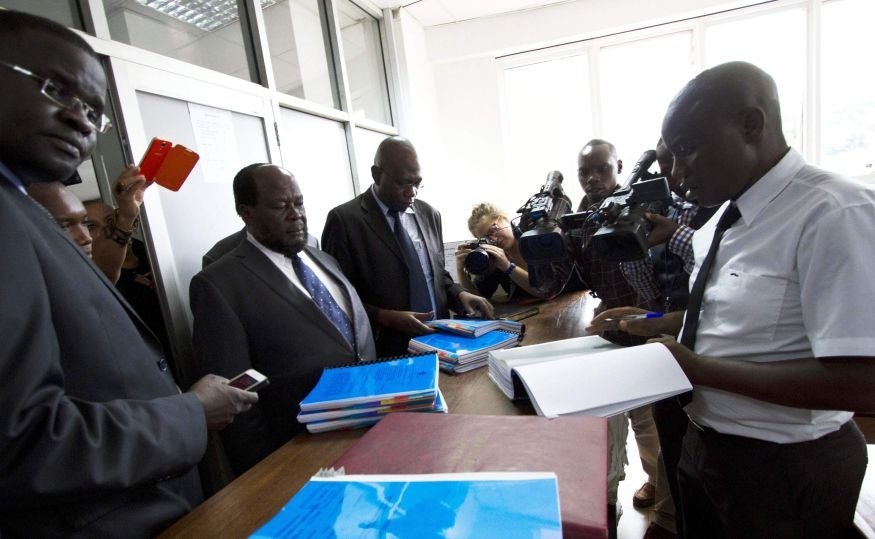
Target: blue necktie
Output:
[
  {"x": 323, "y": 299},
  {"x": 420, "y": 300}
]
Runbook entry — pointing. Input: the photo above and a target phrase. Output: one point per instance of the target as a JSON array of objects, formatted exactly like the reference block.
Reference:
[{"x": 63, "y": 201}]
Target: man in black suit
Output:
[
  {"x": 400, "y": 277},
  {"x": 96, "y": 440},
  {"x": 253, "y": 308}
]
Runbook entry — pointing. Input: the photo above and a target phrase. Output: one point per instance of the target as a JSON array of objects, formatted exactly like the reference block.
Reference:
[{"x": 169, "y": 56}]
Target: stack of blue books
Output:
[
  {"x": 360, "y": 394},
  {"x": 463, "y": 345}
]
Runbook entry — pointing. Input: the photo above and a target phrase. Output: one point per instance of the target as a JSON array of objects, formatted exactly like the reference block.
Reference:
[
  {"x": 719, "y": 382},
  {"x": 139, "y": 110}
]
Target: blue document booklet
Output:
[
  {"x": 454, "y": 347},
  {"x": 481, "y": 504},
  {"x": 381, "y": 382}
]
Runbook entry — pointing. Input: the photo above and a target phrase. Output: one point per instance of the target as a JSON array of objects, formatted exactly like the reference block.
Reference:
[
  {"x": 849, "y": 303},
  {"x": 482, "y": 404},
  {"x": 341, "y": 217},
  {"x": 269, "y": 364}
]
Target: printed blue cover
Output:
[
  {"x": 456, "y": 347},
  {"x": 384, "y": 381},
  {"x": 482, "y": 505}
]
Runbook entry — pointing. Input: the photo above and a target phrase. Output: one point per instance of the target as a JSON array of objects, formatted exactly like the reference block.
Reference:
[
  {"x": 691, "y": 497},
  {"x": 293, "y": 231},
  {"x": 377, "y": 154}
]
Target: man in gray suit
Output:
[
  {"x": 276, "y": 305},
  {"x": 390, "y": 246},
  {"x": 96, "y": 440}
]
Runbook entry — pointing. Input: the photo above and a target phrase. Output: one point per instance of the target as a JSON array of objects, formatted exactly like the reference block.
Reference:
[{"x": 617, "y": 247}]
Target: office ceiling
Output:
[{"x": 435, "y": 12}]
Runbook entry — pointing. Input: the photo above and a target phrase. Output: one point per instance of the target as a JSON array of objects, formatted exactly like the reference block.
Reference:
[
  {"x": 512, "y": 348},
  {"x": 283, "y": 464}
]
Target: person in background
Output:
[
  {"x": 506, "y": 266},
  {"x": 67, "y": 210},
  {"x": 390, "y": 246},
  {"x": 96, "y": 439}
]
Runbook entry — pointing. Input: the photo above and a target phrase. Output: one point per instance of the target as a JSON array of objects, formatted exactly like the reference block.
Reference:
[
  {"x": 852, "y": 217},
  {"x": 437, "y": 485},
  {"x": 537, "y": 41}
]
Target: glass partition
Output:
[
  {"x": 299, "y": 51},
  {"x": 363, "y": 57}
]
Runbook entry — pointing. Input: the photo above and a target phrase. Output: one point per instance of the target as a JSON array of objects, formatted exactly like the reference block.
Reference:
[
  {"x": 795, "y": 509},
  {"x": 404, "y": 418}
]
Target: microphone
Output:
[{"x": 640, "y": 169}]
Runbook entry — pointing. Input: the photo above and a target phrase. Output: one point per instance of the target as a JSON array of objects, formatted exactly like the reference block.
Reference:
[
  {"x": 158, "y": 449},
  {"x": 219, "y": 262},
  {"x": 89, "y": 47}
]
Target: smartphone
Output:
[
  {"x": 249, "y": 380},
  {"x": 154, "y": 156},
  {"x": 176, "y": 167}
]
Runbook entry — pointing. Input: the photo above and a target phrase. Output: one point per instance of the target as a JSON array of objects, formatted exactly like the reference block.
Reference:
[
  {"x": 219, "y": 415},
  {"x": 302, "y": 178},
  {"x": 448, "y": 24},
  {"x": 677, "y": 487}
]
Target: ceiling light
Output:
[{"x": 207, "y": 15}]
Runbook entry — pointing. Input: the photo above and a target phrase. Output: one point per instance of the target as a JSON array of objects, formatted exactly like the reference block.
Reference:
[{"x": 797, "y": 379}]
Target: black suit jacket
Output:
[
  {"x": 359, "y": 237},
  {"x": 229, "y": 243},
  {"x": 95, "y": 438},
  {"x": 247, "y": 314}
]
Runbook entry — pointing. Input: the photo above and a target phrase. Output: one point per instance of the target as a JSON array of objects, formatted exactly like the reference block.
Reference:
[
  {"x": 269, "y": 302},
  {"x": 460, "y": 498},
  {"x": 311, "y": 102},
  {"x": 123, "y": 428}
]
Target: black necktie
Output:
[
  {"x": 323, "y": 299},
  {"x": 694, "y": 303},
  {"x": 420, "y": 300}
]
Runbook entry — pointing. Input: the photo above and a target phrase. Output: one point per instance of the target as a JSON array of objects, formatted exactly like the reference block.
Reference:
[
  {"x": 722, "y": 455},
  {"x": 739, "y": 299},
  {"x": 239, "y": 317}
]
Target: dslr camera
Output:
[
  {"x": 478, "y": 261},
  {"x": 623, "y": 231}
]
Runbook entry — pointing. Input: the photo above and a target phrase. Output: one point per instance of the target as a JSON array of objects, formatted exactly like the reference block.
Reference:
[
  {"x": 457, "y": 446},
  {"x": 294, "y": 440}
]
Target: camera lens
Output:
[{"x": 478, "y": 261}]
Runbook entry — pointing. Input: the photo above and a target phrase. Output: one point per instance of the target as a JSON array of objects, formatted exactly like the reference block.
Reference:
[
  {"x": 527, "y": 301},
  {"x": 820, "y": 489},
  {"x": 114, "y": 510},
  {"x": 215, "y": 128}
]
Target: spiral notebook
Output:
[
  {"x": 382, "y": 382},
  {"x": 459, "y": 353}
]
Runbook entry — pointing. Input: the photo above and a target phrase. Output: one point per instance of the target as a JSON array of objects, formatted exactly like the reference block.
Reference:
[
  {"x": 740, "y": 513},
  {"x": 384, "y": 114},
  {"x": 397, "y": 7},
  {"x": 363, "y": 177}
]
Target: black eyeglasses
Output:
[
  {"x": 403, "y": 184},
  {"x": 60, "y": 95}
]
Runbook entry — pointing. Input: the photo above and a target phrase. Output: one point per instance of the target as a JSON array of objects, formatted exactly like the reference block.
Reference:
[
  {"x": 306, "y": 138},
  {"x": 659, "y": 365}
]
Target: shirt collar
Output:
[
  {"x": 752, "y": 202},
  {"x": 277, "y": 258},
  {"x": 11, "y": 176},
  {"x": 384, "y": 208}
]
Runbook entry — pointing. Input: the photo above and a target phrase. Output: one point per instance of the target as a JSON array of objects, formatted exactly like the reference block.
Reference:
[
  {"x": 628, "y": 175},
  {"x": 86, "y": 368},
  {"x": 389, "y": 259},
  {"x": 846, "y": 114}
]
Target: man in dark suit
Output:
[
  {"x": 254, "y": 308},
  {"x": 229, "y": 243},
  {"x": 400, "y": 277},
  {"x": 96, "y": 440}
]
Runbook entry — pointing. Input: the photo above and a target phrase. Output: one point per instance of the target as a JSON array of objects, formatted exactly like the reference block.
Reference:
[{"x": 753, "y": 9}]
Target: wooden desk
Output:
[{"x": 252, "y": 499}]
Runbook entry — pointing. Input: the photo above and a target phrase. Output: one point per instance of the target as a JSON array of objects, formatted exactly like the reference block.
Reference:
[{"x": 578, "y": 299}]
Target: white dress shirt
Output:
[
  {"x": 793, "y": 278},
  {"x": 284, "y": 264}
]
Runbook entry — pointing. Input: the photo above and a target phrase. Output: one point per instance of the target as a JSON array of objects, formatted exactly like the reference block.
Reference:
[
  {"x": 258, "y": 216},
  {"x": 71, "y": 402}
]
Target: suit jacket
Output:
[
  {"x": 229, "y": 243},
  {"x": 247, "y": 314},
  {"x": 359, "y": 237},
  {"x": 95, "y": 438}
]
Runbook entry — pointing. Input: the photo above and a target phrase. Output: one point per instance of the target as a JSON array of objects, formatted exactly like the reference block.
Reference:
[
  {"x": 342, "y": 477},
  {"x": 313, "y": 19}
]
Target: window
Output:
[
  {"x": 548, "y": 119},
  {"x": 776, "y": 43},
  {"x": 363, "y": 57},
  {"x": 194, "y": 31},
  {"x": 61, "y": 11},
  {"x": 847, "y": 127},
  {"x": 299, "y": 51},
  {"x": 637, "y": 82}
]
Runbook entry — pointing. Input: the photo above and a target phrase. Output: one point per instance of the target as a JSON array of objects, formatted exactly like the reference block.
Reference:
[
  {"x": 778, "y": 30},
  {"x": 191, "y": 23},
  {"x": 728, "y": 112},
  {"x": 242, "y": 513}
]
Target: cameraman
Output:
[{"x": 507, "y": 268}]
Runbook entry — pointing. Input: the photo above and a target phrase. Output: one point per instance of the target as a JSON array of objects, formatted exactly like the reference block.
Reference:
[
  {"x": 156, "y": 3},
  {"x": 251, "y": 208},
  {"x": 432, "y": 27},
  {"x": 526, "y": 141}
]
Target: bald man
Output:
[
  {"x": 400, "y": 291},
  {"x": 783, "y": 346}
]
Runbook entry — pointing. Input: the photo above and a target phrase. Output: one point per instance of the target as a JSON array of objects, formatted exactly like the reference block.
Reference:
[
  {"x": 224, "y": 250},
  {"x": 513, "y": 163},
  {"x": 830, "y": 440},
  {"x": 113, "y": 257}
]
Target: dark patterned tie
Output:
[
  {"x": 420, "y": 300},
  {"x": 323, "y": 299},
  {"x": 694, "y": 304}
]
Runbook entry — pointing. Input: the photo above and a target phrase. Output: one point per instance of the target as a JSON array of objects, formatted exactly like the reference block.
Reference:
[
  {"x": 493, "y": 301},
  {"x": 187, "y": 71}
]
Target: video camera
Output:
[
  {"x": 551, "y": 233},
  {"x": 624, "y": 229}
]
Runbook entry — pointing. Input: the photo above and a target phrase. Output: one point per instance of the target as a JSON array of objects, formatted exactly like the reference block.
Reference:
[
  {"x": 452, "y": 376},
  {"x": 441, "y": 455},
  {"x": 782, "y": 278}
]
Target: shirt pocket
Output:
[{"x": 748, "y": 306}]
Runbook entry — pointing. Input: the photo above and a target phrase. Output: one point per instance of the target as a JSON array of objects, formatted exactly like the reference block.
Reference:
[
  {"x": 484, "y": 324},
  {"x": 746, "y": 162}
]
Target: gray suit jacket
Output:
[
  {"x": 358, "y": 236},
  {"x": 95, "y": 438},
  {"x": 247, "y": 314}
]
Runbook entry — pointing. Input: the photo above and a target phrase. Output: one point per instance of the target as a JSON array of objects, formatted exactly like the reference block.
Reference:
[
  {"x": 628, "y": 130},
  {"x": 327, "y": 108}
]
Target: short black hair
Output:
[
  {"x": 16, "y": 24},
  {"x": 244, "y": 186},
  {"x": 600, "y": 142}
]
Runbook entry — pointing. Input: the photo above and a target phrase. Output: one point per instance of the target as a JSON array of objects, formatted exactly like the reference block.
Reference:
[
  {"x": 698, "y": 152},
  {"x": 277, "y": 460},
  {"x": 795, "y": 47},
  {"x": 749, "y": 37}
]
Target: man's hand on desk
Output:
[
  {"x": 406, "y": 322},
  {"x": 476, "y": 305},
  {"x": 221, "y": 402},
  {"x": 667, "y": 324}
]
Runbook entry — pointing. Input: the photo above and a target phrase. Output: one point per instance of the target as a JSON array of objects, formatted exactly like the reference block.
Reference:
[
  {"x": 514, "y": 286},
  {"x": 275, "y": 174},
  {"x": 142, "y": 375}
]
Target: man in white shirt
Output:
[{"x": 783, "y": 348}]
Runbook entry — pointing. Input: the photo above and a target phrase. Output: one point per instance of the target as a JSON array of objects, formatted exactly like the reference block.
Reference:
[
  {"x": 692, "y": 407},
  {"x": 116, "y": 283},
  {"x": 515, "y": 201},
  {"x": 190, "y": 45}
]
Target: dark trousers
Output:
[
  {"x": 671, "y": 425},
  {"x": 732, "y": 486}
]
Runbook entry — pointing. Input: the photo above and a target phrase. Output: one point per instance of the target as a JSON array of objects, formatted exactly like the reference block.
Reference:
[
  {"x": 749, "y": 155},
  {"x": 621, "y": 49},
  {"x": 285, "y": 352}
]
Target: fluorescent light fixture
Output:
[{"x": 207, "y": 15}]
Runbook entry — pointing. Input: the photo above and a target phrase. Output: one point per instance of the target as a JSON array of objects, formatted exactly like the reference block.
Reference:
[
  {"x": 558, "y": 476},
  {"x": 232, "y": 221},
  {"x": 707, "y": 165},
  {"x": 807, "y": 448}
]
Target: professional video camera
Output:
[
  {"x": 542, "y": 242},
  {"x": 478, "y": 261},
  {"x": 624, "y": 230}
]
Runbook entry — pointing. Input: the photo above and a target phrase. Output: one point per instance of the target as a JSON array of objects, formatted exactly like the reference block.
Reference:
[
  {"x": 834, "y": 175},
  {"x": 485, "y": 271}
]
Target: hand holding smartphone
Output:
[
  {"x": 167, "y": 164},
  {"x": 249, "y": 380}
]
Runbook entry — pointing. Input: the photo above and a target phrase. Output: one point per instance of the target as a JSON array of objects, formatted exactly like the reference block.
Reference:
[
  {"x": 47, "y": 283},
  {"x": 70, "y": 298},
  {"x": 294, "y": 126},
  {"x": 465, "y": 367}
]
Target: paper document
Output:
[{"x": 589, "y": 376}]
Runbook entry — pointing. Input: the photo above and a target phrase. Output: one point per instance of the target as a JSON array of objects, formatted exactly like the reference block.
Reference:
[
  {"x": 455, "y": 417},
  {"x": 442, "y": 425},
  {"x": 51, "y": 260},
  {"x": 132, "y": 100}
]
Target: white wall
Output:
[{"x": 467, "y": 136}]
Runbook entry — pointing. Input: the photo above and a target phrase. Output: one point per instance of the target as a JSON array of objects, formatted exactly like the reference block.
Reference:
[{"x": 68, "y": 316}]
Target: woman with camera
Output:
[{"x": 494, "y": 258}]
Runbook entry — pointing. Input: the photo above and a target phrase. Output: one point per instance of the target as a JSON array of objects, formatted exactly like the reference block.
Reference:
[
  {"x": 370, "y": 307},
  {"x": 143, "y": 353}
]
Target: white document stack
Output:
[{"x": 587, "y": 376}]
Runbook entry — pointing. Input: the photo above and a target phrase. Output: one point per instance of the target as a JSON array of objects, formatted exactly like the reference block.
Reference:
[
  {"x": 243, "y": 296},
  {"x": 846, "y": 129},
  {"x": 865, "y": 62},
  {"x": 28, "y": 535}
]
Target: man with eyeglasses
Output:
[
  {"x": 390, "y": 246},
  {"x": 96, "y": 440}
]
